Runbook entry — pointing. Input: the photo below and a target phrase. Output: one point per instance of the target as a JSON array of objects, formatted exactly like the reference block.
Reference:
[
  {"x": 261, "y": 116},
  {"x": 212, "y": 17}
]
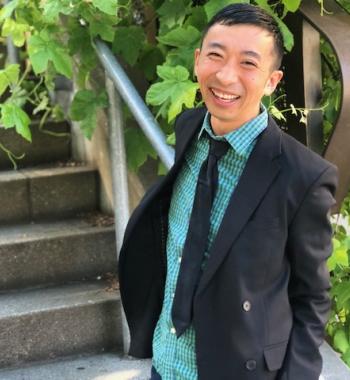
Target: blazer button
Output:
[
  {"x": 246, "y": 306},
  {"x": 250, "y": 365}
]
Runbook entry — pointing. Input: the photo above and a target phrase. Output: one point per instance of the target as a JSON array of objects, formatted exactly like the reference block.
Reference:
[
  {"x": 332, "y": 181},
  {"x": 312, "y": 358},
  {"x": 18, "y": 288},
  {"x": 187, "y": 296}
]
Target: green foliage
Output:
[
  {"x": 13, "y": 116},
  {"x": 83, "y": 109},
  {"x": 138, "y": 148},
  {"x": 58, "y": 37},
  {"x": 43, "y": 49},
  {"x": 126, "y": 37},
  {"x": 174, "y": 91},
  {"x": 338, "y": 327},
  {"x": 8, "y": 77}
]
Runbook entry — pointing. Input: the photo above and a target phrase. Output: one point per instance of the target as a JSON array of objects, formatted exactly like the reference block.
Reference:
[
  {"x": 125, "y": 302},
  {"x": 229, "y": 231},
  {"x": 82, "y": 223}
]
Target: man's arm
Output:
[{"x": 308, "y": 247}]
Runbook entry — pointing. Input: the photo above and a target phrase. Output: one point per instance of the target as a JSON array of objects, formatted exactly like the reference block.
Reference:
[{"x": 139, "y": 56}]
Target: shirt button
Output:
[
  {"x": 246, "y": 306},
  {"x": 173, "y": 330},
  {"x": 250, "y": 365},
  {"x": 172, "y": 295},
  {"x": 179, "y": 259}
]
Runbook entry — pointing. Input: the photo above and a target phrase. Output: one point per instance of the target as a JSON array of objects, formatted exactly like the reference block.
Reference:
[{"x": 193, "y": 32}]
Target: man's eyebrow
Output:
[
  {"x": 252, "y": 53},
  {"x": 216, "y": 45}
]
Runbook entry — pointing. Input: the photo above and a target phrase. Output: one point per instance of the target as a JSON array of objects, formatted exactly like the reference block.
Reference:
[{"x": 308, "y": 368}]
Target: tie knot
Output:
[{"x": 218, "y": 148}]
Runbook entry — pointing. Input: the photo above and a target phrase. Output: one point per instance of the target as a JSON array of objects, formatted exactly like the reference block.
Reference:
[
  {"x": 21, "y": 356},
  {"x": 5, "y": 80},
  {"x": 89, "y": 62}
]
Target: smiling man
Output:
[{"x": 223, "y": 267}]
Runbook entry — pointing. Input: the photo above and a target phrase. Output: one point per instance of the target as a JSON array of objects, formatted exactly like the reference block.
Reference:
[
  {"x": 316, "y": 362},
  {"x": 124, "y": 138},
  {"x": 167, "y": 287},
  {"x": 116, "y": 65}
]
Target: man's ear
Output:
[
  {"x": 272, "y": 82},
  {"x": 196, "y": 58}
]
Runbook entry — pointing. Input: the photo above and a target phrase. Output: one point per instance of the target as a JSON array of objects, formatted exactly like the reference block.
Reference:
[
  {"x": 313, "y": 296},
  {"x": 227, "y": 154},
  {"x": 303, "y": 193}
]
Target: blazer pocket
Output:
[{"x": 274, "y": 355}]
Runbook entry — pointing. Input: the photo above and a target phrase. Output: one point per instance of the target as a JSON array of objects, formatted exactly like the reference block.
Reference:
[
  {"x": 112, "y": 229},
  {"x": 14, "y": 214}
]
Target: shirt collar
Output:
[{"x": 240, "y": 139}]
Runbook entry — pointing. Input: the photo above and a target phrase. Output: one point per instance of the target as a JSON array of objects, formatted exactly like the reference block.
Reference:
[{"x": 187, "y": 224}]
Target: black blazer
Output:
[{"x": 262, "y": 301}]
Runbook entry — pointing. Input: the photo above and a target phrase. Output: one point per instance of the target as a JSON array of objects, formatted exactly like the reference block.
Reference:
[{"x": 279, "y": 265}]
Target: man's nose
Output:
[{"x": 227, "y": 74}]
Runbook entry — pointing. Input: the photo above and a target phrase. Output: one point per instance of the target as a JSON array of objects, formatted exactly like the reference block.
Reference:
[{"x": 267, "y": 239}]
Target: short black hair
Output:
[{"x": 235, "y": 14}]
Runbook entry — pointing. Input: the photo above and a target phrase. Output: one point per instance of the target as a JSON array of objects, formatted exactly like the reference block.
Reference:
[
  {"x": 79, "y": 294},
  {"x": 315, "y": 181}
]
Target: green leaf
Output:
[
  {"x": 44, "y": 101},
  {"x": 213, "y": 6},
  {"x": 288, "y": 37},
  {"x": 128, "y": 42},
  {"x": 43, "y": 48},
  {"x": 16, "y": 30},
  {"x": 340, "y": 341},
  {"x": 52, "y": 9},
  {"x": 291, "y": 5},
  {"x": 171, "y": 139},
  {"x": 14, "y": 116},
  {"x": 84, "y": 107},
  {"x": 162, "y": 170},
  {"x": 138, "y": 148},
  {"x": 176, "y": 90},
  {"x": 61, "y": 60},
  {"x": 180, "y": 36},
  {"x": 106, "y": 6},
  {"x": 173, "y": 12},
  {"x": 276, "y": 113},
  {"x": 339, "y": 255},
  {"x": 8, "y": 76},
  {"x": 198, "y": 18},
  {"x": 341, "y": 291},
  {"x": 186, "y": 40},
  {"x": 177, "y": 74},
  {"x": 99, "y": 27},
  {"x": 8, "y": 9}
]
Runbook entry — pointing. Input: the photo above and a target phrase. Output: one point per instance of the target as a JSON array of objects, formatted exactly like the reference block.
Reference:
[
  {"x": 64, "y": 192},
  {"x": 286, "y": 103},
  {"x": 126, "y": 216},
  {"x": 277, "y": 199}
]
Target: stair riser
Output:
[
  {"x": 62, "y": 332},
  {"x": 33, "y": 197},
  {"x": 58, "y": 260},
  {"x": 43, "y": 149},
  {"x": 14, "y": 198}
]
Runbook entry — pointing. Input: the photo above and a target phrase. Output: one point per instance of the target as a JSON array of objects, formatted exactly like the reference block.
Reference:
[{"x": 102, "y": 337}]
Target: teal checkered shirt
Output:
[{"x": 175, "y": 358}]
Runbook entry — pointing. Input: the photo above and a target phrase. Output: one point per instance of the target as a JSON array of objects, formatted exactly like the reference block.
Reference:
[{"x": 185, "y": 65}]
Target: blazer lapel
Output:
[{"x": 261, "y": 169}]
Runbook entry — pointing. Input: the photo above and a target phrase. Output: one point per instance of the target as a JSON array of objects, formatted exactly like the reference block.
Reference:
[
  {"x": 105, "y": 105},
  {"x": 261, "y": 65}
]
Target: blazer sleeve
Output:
[{"x": 308, "y": 247}]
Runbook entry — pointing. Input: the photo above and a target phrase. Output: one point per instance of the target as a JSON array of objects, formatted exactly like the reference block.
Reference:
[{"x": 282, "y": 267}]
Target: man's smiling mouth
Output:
[{"x": 224, "y": 96}]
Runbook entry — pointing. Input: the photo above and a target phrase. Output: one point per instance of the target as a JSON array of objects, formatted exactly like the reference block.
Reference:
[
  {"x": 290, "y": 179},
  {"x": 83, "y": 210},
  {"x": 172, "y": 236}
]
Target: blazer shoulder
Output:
[
  {"x": 303, "y": 166},
  {"x": 302, "y": 158}
]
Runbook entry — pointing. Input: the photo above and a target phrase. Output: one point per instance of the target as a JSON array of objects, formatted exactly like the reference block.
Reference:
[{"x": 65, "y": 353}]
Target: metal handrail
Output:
[
  {"x": 136, "y": 104},
  {"x": 118, "y": 80}
]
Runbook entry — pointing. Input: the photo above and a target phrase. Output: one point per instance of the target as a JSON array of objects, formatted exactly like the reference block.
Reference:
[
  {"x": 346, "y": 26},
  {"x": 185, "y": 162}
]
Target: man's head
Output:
[
  {"x": 237, "y": 64},
  {"x": 235, "y": 14}
]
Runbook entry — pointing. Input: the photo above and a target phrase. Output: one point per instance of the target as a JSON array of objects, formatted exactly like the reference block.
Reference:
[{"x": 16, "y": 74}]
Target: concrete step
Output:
[
  {"x": 51, "y": 253},
  {"x": 43, "y": 324},
  {"x": 109, "y": 366},
  {"x": 44, "y": 148},
  {"x": 46, "y": 192}
]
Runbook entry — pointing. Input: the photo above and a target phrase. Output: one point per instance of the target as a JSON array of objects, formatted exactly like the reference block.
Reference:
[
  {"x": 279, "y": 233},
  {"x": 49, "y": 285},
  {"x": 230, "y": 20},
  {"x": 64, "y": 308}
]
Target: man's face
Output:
[{"x": 235, "y": 69}]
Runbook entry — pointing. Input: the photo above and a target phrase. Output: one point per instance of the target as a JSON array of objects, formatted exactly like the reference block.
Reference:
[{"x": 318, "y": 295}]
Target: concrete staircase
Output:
[{"x": 59, "y": 298}]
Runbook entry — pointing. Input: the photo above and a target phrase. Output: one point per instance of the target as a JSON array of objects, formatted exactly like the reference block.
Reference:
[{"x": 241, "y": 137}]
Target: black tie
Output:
[{"x": 197, "y": 237}]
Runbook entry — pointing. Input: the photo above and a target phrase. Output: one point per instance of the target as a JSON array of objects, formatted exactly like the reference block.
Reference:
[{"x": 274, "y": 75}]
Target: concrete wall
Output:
[{"x": 97, "y": 152}]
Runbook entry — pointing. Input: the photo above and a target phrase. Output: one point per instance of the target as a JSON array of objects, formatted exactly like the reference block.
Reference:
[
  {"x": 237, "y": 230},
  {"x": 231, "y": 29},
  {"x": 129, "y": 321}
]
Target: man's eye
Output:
[
  {"x": 213, "y": 54},
  {"x": 249, "y": 63}
]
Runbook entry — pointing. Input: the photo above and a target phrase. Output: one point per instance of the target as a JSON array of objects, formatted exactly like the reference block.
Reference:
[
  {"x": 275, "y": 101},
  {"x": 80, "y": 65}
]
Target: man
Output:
[{"x": 242, "y": 295}]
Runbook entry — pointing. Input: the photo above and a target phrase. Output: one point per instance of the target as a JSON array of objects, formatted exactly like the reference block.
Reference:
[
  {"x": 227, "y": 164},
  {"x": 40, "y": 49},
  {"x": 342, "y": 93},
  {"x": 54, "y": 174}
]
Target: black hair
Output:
[{"x": 234, "y": 14}]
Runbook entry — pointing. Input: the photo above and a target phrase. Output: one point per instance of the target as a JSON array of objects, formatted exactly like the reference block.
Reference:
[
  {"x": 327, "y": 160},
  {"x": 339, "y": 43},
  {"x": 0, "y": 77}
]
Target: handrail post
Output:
[
  {"x": 12, "y": 53},
  {"x": 119, "y": 181}
]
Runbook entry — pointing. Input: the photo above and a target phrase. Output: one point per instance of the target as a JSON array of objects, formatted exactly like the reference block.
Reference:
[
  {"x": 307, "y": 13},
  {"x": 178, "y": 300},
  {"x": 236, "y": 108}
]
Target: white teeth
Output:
[{"x": 224, "y": 96}]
